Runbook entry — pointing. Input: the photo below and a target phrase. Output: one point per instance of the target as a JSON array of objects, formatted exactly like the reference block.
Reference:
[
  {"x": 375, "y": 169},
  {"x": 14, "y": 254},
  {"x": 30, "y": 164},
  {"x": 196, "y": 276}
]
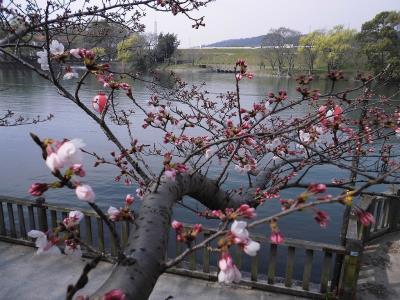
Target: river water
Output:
[{"x": 21, "y": 164}]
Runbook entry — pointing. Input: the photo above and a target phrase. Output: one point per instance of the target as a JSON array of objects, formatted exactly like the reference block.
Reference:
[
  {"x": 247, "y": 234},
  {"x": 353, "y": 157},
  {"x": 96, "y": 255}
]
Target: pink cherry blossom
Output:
[
  {"x": 54, "y": 162},
  {"x": 129, "y": 199},
  {"x": 73, "y": 219},
  {"x": 70, "y": 153},
  {"x": 170, "y": 174},
  {"x": 43, "y": 244},
  {"x": 241, "y": 236},
  {"x": 84, "y": 192},
  {"x": 114, "y": 213},
  {"x": 72, "y": 248},
  {"x": 239, "y": 76},
  {"x": 208, "y": 153},
  {"x": 239, "y": 231},
  {"x": 56, "y": 48},
  {"x": 76, "y": 52},
  {"x": 228, "y": 271}
]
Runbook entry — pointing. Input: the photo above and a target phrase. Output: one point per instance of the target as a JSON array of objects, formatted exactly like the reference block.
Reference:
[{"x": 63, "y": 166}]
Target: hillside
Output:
[
  {"x": 268, "y": 39},
  {"x": 244, "y": 42}
]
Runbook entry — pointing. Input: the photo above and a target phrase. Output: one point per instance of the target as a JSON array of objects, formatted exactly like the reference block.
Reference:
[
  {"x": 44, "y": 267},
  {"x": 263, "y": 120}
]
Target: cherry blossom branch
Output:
[
  {"x": 83, "y": 278},
  {"x": 68, "y": 183}
]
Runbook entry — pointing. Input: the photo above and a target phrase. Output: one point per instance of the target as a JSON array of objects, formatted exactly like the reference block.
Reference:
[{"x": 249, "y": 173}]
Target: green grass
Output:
[
  {"x": 227, "y": 58},
  {"x": 220, "y": 56}
]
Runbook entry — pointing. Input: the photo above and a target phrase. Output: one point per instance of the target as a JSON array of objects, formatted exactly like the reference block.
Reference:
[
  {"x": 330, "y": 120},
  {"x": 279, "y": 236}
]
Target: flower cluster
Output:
[
  {"x": 276, "y": 236},
  {"x": 330, "y": 117},
  {"x": 88, "y": 56},
  {"x": 172, "y": 169},
  {"x": 238, "y": 235},
  {"x": 122, "y": 214},
  {"x": 64, "y": 154},
  {"x": 244, "y": 211},
  {"x": 47, "y": 242},
  {"x": 228, "y": 271},
  {"x": 56, "y": 50},
  {"x": 282, "y": 95},
  {"x": 186, "y": 235},
  {"x": 110, "y": 82},
  {"x": 241, "y": 64}
]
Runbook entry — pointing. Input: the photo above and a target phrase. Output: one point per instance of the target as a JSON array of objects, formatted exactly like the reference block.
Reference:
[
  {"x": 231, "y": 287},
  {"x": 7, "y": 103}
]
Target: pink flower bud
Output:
[
  {"x": 37, "y": 189},
  {"x": 76, "y": 52},
  {"x": 276, "y": 237},
  {"x": 129, "y": 199},
  {"x": 250, "y": 75},
  {"x": 219, "y": 214},
  {"x": 181, "y": 168},
  {"x": 365, "y": 217},
  {"x": 322, "y": 218},
  {"x": 85, "y": 193},
  {"x": 115, "y": 294},
  {"x": 78, "y": 170},
  {"x": 317, "y": 188},
  {"x": 180, "y": 237},
  {"x": 246, "y": 211},
  {"x": 228, "y": 271},
  {"x": 178, "y": 226},
  {"x": 197, "y": 229}
]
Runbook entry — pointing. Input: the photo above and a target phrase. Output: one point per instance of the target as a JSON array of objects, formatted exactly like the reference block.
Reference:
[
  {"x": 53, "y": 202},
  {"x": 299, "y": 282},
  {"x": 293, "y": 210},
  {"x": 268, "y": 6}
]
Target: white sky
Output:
[{"x": 226, "y": 19}]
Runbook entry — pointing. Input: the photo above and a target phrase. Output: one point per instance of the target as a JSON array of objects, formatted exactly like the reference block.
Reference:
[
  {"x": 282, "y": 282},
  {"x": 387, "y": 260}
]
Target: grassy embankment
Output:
[{"x": 226, "y": 59}]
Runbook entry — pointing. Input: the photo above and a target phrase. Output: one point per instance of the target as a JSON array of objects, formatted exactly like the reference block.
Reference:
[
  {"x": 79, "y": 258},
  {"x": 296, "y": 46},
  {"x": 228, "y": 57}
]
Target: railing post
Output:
[
  {"x": 350, "y": 270},
  {"x": 394, "y": 211},
  {"x": 351, "y": 264},
  {"x": 42, "y": 216}
]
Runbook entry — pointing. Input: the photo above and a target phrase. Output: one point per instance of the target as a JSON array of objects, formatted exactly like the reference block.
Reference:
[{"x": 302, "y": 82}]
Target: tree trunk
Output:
[{"x": 137, "y": 274}]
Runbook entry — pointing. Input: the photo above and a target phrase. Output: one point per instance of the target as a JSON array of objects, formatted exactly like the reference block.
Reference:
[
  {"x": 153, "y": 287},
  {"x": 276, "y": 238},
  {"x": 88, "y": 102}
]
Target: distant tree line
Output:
[
  {"x": 375, "y": 47},
  {"x": 145, "y": 51}
]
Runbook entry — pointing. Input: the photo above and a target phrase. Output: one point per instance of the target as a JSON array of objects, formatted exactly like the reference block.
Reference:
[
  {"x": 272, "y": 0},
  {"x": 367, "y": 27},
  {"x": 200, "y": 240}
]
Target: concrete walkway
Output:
[
  {"x": 26, "y": 276},
  {"x": 380, "y": 272}
]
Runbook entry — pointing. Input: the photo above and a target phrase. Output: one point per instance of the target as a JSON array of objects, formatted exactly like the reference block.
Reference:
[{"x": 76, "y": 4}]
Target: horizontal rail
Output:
[{"x": 285, "y": 268}]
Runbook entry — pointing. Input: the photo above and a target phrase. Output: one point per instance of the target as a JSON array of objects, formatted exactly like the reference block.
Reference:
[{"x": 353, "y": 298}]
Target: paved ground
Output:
[
  {"x": 380, "y": 273},
  {"x": 26, "y": 276}
]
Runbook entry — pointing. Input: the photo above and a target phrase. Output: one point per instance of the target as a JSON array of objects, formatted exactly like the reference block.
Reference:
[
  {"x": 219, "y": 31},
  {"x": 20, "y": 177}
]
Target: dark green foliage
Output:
[
  {"x": 380, "y": 41},
  {"x": 143, "y": 54},
  {"x": 166, "y": 46}
]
